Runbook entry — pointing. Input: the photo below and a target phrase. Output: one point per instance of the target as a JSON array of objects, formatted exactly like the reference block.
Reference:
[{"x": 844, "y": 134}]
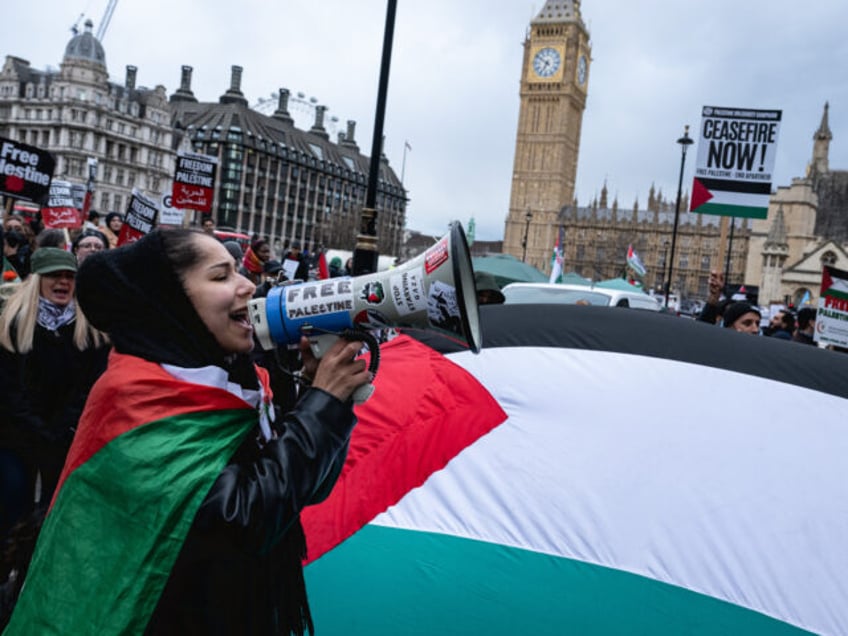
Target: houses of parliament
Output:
[{"x": 780, "y": 257}]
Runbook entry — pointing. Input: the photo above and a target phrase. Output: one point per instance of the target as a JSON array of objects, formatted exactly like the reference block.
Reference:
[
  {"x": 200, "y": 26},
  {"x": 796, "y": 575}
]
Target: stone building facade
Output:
[
  {"x": 77, "y": 113},
  {"x": 597, "y": 237},
  {"x": 806, "y": 228},
  {"x": 274, "y": 179},
  {"x": 282, "y": 182}
]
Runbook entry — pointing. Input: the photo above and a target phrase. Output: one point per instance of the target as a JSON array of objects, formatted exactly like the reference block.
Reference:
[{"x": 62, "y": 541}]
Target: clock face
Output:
[
  {"x": 581, "y": 70},
  {"x": 546, "y": 62}
]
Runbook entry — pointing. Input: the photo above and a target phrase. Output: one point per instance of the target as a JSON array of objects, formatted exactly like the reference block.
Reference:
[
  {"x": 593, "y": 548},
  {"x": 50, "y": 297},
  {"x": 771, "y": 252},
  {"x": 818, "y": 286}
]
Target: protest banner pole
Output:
[
  {"x": 10, "y": 205},
  {"x": 729, "y": 254},
  {"x": 722, "y": 243}
]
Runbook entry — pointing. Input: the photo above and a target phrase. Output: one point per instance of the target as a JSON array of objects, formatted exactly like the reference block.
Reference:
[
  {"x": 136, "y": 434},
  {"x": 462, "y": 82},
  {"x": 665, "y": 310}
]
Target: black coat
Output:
[
  {"x": 239, "y": 569},
  {"x": 42, "y": 394}
]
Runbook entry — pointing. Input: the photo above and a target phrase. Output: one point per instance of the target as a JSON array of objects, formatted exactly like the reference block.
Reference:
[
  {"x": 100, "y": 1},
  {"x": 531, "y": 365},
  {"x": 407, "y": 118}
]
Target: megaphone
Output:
[{"x": 432, "y": 291}]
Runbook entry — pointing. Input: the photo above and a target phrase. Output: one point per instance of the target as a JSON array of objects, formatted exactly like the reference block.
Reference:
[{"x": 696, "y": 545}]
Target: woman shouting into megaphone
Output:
[{"x": 178, "y": 509}]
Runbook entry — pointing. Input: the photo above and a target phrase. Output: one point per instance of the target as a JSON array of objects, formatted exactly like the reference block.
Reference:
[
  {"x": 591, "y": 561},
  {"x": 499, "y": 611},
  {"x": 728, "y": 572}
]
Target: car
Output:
[{"x": 522, "y": 293}]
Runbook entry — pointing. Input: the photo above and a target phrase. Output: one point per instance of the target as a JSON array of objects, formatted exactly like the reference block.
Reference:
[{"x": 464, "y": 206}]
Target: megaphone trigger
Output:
[{"x": 320, "y": 343}]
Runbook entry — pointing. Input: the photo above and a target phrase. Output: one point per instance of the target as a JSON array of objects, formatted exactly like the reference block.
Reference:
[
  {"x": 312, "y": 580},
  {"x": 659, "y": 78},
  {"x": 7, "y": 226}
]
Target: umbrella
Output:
[
  {"x": 573, "y": 278},
  {"x": 508, "y": 269},
  {"x": 618, "y": 283}
]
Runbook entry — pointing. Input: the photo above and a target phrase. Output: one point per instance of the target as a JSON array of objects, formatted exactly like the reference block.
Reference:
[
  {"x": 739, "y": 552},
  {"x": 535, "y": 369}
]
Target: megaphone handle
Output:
[{"x": 321, "y": 343}]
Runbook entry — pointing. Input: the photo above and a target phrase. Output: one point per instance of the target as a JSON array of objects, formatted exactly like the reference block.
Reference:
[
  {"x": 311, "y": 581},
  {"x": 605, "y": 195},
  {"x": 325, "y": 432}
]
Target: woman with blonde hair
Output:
[{"x": 50, "y": 357}]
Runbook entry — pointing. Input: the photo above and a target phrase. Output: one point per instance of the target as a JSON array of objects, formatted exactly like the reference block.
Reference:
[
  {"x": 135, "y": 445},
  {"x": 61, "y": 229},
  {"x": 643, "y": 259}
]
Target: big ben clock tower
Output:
[{"x": 554, "y": 80}]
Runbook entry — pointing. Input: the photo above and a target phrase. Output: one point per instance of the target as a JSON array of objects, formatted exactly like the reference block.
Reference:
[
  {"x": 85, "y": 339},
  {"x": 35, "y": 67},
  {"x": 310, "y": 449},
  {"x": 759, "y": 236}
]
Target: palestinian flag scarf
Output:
[{"x": 137, "y": 472}]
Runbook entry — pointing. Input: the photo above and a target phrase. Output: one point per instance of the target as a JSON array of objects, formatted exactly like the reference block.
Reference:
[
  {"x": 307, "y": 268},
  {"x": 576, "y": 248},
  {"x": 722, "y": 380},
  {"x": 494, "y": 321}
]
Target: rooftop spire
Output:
[{"x": 558, "y": 11}]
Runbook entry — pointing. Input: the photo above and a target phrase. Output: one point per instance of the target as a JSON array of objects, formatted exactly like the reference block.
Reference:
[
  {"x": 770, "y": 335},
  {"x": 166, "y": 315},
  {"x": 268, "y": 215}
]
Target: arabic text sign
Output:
[
  {"x": 61, "y": 210},
  {"x": 832, "y": 313},
  {"x": 736, "y": 153},
  {"x": 194, "y": 182},
  {"x": 140, "y": 218},
  {"x": 25, "y": 171}
]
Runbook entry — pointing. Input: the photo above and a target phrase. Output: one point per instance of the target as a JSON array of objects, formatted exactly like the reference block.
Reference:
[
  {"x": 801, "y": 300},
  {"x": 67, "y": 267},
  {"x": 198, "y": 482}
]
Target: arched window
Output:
[{"x": 828, "y": 258}]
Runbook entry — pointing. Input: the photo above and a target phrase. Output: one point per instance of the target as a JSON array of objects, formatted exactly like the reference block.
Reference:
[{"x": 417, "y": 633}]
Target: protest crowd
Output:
[{"x": 77, "y": 305}]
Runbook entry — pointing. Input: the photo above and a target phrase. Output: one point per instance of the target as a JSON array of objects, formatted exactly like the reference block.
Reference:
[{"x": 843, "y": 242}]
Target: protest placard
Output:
[
  {"x": 140, "y": 218},
  {"x": 194, "y": 182},
  {"x": 61, "y": 210},
  {"x": 832, "y": 313},
  {"x": 735, "y": 163},
  {"x": 25, "y": 171}
]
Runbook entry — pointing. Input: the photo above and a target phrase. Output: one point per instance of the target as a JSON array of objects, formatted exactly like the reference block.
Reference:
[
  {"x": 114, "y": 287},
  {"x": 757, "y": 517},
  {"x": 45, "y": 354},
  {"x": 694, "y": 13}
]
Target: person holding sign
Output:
[{"x": 178, "y": 510}]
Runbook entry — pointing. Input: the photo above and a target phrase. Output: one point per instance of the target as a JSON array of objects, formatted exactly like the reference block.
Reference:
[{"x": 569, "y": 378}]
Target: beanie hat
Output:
[
  {"x": 736, "y": 310},
  {"x": 52, "y": 259},
  {"x": 484, "y": 281},
  {"x": 806, "y": 316}
]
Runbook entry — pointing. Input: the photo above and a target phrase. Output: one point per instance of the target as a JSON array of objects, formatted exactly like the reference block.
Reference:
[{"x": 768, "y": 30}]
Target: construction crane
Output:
[
  {"x": 104, "y": 21},
  {"x": 75, "y": 27}
]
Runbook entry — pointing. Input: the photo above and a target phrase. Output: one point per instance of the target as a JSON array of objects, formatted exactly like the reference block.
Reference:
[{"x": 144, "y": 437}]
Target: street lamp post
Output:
[
  {"x": 685, "y": 141},
  {"x": 528, "y": 217},
  {"x": 365, "y": 254},
  {"x": 664, "y": 263}
]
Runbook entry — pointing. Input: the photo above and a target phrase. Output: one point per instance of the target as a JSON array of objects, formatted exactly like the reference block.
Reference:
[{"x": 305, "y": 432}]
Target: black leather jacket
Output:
[{"x": 236, "y": 566}]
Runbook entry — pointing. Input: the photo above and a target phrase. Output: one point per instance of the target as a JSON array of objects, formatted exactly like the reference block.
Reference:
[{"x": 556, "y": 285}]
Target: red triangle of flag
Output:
[
  {"x": 827, "y": 281},
  {"x": 700, "y": 195}
]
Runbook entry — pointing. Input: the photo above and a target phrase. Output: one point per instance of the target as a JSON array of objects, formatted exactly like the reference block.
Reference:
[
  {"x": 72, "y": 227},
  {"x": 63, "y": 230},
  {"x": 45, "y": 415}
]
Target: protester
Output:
[
  {"x": 52, "y": 237},
  {"x": 806, "y": 326},
  {"x": 270, "y": 273},
  {"x": 300, "y": 266},
  {"x": 208, "y": 225},
  {"x": 781, "y": 325},
  {"x": 235, "y": 251},
  {"x": 255, "y": 257},
  {"x": 112, "y": 228},
  {"x": 19, "y": 243},
  {"x": 50, "y": 357},
  {"x": 87, "y": 243},
  {"x": 348, "y": 268},
  {"x": 743, "y": 317},
  {"x": 713, "y": 307},
  {"x": 93, "y": 221},
  {"x": 488, "y": 292},
  {"x": 194, "y": 527},
  {"x": 336, "y": 268}
]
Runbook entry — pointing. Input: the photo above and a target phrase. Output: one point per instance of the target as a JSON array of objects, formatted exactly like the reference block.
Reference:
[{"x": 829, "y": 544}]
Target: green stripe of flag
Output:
[
  {"x": 724, "y": 209},
  {"x": 386, "y": 581},
  {"x": 118, "y": 523}
]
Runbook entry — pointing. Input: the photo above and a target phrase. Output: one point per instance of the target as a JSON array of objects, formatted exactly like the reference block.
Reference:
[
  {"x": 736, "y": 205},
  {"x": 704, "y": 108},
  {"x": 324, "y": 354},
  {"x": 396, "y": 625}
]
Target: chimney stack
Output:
[
  {"x": 131, "y": 73},
  {"x": 183, "y": 93},
  {"x": 282, "y": 112},
  {"x": 234, "y": 94}
]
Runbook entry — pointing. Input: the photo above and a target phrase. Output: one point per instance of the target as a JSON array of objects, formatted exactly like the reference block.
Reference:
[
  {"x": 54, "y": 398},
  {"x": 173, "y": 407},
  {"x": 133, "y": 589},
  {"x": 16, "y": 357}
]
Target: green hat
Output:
[{"x": 52, "y": 259}]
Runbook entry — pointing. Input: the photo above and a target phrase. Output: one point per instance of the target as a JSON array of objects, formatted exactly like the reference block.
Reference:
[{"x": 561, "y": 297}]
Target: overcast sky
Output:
[{"x": 453, "y": 89}]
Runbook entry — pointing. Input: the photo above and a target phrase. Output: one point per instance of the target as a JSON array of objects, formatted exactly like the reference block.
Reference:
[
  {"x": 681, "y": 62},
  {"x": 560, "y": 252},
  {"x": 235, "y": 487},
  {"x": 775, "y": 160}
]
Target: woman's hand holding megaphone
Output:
[{"x": 339, "y": 372}]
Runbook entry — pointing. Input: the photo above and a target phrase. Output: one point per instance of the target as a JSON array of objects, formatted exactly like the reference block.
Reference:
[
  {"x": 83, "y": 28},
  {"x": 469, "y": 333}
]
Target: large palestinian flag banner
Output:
[{"x": 591, "y": 471}]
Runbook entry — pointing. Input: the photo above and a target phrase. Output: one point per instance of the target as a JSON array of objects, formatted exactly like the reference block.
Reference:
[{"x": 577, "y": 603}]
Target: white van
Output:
[{"x": 523, "y": 293}]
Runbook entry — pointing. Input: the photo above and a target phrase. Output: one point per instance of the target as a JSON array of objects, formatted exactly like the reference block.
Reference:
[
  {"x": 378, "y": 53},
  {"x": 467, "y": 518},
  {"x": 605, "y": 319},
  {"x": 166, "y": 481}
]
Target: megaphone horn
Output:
[{"x": 432, "y": 291}]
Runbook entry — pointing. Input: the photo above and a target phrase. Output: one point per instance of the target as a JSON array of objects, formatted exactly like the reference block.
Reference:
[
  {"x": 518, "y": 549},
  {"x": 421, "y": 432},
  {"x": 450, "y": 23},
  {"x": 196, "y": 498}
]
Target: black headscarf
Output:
[{"x": 134, "y": 294}]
